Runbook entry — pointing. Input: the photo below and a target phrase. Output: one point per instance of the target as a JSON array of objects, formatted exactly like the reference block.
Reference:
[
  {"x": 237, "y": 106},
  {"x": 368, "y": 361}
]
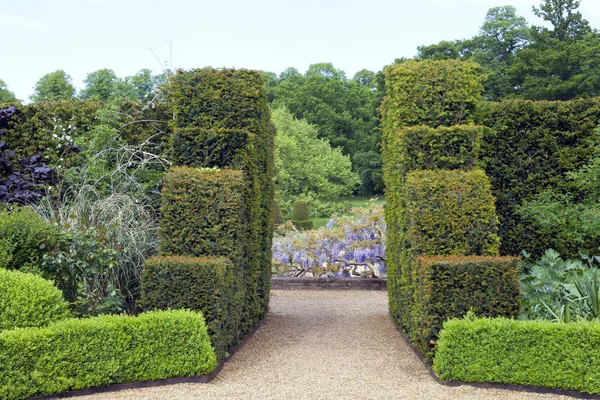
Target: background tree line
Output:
[{"x": 556, "y": 61}]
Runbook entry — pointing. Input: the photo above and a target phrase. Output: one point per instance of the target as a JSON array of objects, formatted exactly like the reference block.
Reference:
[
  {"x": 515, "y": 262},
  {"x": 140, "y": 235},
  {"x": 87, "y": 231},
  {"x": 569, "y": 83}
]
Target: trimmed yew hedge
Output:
[
  {"x": 210, "y": 285},
  {"x": 222, "y": 120},
  {"x": 438, "y": 202},
  {"x": 450, "y": 212},
  {"x": 202, "y": 213},
  {"x": 433, "y": 93},
  {"x": 536, "y": 353},
  {"x": 445, "y": 147},
  {"x": 84, "y": 353},
  {"x": 450, "y": 286},
  {"x": 528, "y": 149}
]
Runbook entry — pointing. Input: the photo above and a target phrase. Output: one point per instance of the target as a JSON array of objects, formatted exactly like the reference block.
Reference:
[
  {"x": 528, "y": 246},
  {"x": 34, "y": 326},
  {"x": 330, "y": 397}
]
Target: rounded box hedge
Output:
[{"x": 27, "y": 300}]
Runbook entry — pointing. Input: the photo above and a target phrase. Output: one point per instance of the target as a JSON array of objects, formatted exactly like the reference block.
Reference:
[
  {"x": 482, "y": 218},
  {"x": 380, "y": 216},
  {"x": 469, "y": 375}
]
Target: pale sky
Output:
[{"x": 81, "y": 36}]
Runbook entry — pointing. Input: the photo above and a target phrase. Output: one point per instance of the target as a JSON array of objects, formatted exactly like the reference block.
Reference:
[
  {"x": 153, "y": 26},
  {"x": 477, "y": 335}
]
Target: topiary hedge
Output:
[
  {"x": 536, "y": 353},
  {"x": 300, "y": 215},
  {"x": 445, "y": 147},
  {"x": 450, "y": 286},
  {"x": 450, "y": 212},
  {"x": 203, "y": 213},
  {"x": 528, "y": 149},
  {"x": 84, "y": 353},
  {"x": 211, "y": 285},
  {"x": 431, "y": 92},
  {"x": 222, "y": 119},
  {"x": 27, "y": 300}
]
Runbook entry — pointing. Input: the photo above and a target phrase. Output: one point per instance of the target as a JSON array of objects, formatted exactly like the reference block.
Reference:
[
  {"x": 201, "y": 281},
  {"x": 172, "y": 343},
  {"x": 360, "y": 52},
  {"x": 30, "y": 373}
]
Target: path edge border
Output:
[
  {"x": 291, "y": 283},
  {"x": 485, "y": 385},
  {"x": 117, "y": 387}
]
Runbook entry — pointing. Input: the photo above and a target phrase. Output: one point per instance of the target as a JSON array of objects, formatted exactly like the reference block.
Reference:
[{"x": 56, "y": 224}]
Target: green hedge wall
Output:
[
  {"x": 50, "y": 127},
  {"x": 536, "y": 353},
  {"x": 210, "y": 285},
  {"x": 445, "y": 147},
  {"x": 226, "y": 112},
  {"x": 450, "y": 286},
  {"x": 27, "y": 300},
  {"x": 450, "y": 212},
  {"x": 207, "y": 148},
  {"x": 529, "y": 148},
  {"x": 202, "y": 213},
  {"x": 84, "y": 353}
]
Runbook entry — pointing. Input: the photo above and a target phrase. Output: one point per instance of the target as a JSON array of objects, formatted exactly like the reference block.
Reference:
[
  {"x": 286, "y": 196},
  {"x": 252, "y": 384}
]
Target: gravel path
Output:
[{"x": 323, "y": 345}]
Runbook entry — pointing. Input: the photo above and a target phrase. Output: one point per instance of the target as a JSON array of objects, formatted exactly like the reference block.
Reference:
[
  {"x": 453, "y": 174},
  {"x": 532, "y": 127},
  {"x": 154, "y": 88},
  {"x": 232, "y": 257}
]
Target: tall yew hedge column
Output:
[
  {"x": 222, "y": 122},
  {"x": 439, "y": 203}
]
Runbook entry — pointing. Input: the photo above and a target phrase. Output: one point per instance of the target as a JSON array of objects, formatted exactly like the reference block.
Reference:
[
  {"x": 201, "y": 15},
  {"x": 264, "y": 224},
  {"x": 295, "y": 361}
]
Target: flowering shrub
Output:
[{"x": 348, "y": 246}]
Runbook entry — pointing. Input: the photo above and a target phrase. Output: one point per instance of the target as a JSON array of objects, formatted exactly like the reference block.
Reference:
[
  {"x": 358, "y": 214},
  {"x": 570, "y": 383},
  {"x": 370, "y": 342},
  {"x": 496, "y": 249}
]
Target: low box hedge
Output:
[
  {"x": 84, "y": 353},
  {"x": 450, "y": 286},
  {"x": 536, "y": 353},
  {"x": 212, "y": 285}
]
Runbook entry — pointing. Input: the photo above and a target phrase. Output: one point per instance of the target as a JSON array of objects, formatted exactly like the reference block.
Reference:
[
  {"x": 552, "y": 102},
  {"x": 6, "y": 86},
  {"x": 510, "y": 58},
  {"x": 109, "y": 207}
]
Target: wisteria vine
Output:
[{"x": 348, "y": 246}]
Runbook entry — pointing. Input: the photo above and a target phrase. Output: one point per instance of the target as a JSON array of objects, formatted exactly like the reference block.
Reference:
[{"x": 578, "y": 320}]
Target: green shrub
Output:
[
  {"x": 84, "y": 353},
  {"x": 207, "y": 148},
  {"x": 211, "y": 285},
  {"x": 528, "y": 150},
  {"x": 536, "y": 353},
  {"x": 50, "y": 127},
  {"x": 27, "y": 300},
  {"x": 300, "y": 210},
  {"x": 450, "y": 286},
  {"x": 25, "y": 238},
  {"x": 453, "y": 147},
  {"x": 450, "y": 212},
  {"x": 277, "y": 217},
  {"x": 303, "y": 225}
]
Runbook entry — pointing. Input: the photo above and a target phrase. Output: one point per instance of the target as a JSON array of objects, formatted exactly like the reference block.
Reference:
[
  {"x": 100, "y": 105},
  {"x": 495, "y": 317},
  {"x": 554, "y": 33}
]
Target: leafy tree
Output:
[
  {"x": 345, "y": 111},
  {"x": 53, "y": 86},
  {"x": 6, "y": 96},
  {"x": 145, "y": 85},
  {"x": 104, "y": 85},
  {"x": 307, "y": 167},
  {"x": 567, "y": 22}
]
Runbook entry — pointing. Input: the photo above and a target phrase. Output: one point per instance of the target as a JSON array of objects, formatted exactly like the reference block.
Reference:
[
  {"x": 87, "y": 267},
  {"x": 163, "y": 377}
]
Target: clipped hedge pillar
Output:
[
  {"x": 219, "y": 202},
  {"x": 439, "y": 202},
  {"x": 300, "y": 215}
]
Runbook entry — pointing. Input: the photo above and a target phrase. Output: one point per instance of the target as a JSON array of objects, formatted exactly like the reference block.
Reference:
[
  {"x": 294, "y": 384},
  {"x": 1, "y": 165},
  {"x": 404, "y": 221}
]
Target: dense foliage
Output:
[
  {"x": 536, "y": 353},
  {"x": 342, "y": 109},
  {"x": 210, "y": 285},
  {"x": 553, "y": 61},
  {"x": 529, "y": 149},
  {"x": 308, "y": 168},
  {"x": 27, "y": 300},
  {"x": 84, "y": 353}
]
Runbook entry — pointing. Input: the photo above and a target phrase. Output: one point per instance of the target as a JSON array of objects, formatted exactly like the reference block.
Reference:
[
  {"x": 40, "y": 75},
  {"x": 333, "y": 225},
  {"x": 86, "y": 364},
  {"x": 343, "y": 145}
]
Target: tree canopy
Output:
[
  {"x": 53, "y": 86},
  {"x": 307, "y": 167}
]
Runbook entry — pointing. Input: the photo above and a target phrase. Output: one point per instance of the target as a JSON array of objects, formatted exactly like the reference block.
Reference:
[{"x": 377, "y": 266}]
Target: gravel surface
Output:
[{"x": 323, "y": 345}]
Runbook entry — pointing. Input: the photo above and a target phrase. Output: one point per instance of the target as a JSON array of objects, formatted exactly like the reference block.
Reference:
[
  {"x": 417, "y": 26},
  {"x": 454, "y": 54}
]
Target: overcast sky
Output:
[{"x": 81, "y": 36}]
